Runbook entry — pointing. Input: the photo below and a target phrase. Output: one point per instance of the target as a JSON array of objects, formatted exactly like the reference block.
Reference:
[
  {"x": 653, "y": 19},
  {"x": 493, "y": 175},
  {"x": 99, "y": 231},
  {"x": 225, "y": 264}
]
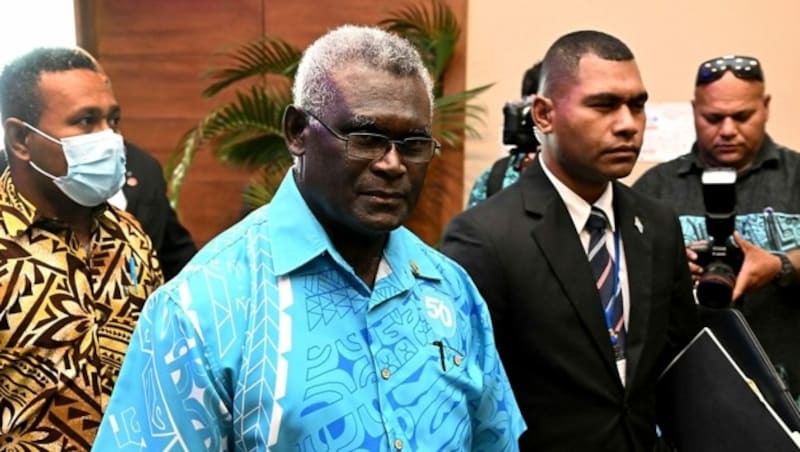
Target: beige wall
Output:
[{"x": 669, "y": 39}]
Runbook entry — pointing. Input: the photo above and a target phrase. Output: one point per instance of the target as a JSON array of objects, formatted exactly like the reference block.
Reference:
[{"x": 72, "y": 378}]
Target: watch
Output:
[{"x": 786, "y": 275}]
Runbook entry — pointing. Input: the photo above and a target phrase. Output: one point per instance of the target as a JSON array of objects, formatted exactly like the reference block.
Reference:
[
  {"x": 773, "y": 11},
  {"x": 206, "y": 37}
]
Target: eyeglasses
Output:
[
  {"x": 743, "y": 67},
  {"x": 373, "y": 146}
]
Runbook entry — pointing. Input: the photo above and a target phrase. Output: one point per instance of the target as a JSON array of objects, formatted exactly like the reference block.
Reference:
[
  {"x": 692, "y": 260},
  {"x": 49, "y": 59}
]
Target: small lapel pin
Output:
[
  {"x": 414, "y": 268},
  {"x": 638, "y": 224}
]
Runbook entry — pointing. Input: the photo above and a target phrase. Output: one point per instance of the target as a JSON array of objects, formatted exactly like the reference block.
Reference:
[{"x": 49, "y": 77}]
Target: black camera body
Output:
[
  {"x": 721, "y": 264},
  {"x": 518, "y": 126},
  {"x": 720, "y": 258}
]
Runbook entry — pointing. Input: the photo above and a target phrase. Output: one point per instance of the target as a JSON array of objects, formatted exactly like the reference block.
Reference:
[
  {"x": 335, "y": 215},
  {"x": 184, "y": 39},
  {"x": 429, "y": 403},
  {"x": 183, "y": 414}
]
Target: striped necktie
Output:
[{"x": 606, "y": 275}]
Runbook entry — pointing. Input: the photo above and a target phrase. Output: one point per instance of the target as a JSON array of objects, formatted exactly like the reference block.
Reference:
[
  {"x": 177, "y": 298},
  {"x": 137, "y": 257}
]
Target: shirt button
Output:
[
  {"x": 398, "y": 444},
  {"x": 386, "y": 373},
  {"x": 457, "y": 360}
]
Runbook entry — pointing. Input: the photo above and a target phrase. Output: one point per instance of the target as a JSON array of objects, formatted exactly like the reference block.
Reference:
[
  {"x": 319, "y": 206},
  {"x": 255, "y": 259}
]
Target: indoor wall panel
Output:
[{"x": 174, "y": 27}]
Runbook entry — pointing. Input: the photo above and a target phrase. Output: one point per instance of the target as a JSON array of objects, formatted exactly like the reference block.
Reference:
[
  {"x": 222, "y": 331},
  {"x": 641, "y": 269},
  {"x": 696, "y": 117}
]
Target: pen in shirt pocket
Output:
[{"x": 443, "y": 347}]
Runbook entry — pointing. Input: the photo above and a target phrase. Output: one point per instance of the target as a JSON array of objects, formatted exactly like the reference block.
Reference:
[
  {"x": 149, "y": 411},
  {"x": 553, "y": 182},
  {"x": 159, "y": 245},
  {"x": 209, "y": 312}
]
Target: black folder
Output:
[
  {"x": 706, "y": 403},
  {"x": 733, "y": 332}
]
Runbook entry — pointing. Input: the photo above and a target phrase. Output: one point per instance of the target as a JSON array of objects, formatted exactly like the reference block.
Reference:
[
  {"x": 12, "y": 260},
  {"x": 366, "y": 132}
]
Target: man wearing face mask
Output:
[{"x": 74, "y": 271}]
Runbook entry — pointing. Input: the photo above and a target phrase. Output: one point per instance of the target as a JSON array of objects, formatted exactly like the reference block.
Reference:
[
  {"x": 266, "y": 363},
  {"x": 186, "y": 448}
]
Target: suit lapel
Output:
[
  {"x": 638, "y": 260},
  {"x": 561, "y": 247}
]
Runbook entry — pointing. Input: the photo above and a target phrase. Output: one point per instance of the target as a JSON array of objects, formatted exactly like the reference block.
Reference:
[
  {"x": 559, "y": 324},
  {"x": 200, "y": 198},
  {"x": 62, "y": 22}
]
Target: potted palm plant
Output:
[{"x": 247, "y": 130}]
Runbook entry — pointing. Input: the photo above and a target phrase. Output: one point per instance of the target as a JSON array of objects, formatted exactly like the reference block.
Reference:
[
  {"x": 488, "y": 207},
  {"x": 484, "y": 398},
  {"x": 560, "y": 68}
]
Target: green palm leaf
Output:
[
  {"x": 454, "y": 116},
  {"x": 266, "y": 55},
  {"x": 254, "y": 117},
  {"x": 434, "y": 32},
  {"x": 247, "y": 132}
]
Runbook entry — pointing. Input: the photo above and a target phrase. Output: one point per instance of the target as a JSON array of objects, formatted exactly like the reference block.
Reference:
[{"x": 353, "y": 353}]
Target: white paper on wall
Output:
[{"x": 669, "y": 132}]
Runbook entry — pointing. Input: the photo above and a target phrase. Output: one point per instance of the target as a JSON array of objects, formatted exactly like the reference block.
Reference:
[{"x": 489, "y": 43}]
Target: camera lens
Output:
[{"x": 715, "y": 288}]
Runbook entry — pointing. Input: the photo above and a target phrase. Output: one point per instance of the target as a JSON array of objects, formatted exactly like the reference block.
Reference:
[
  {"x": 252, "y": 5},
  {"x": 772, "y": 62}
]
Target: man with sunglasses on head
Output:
[
  {"x": 74, "y": 271},
  {"x": 731, "y": 108},
  {"x": 319, "y": 322}
]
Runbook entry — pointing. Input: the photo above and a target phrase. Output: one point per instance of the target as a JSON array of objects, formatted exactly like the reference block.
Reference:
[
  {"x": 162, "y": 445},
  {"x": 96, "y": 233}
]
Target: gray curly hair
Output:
[{"x": 372, "y": 46}]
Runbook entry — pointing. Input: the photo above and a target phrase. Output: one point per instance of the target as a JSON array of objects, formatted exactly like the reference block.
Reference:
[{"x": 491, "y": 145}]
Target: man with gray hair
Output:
[{"x": 319, "y": 322}]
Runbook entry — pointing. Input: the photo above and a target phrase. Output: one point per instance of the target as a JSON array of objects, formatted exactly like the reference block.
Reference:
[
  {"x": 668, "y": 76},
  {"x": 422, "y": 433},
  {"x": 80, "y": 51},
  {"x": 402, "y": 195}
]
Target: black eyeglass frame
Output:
[
  {"x": 743, "y": 67},
  {"x": 401, "y": 146}
]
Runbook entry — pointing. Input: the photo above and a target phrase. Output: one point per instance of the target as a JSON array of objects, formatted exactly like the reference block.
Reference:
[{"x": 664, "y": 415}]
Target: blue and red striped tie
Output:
[{"x": 607, "y": 278}]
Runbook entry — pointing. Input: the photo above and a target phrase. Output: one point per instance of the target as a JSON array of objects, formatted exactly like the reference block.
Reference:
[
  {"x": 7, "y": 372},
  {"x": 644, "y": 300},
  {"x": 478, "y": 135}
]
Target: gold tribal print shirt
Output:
[{"x": 66, "y": 316}]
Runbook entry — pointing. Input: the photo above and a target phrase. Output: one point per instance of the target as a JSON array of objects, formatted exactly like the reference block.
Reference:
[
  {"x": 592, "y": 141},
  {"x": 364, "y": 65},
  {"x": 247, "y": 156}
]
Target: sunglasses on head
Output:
[{"x": 743, "y": 67}]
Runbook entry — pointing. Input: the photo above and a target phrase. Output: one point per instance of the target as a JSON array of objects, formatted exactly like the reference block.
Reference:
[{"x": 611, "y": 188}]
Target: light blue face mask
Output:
[{"x": 95, "y": 166}]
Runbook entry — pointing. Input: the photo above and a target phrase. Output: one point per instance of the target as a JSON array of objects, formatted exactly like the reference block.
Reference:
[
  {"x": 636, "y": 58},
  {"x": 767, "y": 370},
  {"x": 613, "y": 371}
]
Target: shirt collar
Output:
[
  {"x": 577, "y": 207},
  {"x": 767, "y": 155},
  {"x": 297, "y": 237},
  {"x": 18, "y": 214}
]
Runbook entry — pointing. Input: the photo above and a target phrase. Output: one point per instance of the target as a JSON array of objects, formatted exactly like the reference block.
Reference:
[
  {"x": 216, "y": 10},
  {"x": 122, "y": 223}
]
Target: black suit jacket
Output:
[
  {"x": 521, "y": 249},
  {"x": 145, "y": 190}
]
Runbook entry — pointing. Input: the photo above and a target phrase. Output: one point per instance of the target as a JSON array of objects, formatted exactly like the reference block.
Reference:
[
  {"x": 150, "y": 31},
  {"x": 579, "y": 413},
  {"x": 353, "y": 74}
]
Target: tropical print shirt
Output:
[{"x": 67, "y": 313}]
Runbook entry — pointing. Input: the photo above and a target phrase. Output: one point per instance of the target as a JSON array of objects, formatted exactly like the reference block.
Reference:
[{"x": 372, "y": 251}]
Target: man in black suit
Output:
[{"x": 583, "y": 344}]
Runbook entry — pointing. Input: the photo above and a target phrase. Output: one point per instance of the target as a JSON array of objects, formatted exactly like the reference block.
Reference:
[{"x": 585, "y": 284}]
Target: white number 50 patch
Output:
[{"x": 441, "y": 314}]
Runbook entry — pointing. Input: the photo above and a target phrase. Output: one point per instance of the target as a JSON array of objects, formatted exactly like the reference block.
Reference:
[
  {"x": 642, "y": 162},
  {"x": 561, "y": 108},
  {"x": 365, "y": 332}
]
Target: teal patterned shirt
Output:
[
  {"x": 478, "y": 193},
  {"x": 268, "y": 340}
]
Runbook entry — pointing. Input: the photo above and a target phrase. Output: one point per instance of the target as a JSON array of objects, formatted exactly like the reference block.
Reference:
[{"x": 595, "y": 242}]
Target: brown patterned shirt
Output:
[{"x": 66, "y": 316}]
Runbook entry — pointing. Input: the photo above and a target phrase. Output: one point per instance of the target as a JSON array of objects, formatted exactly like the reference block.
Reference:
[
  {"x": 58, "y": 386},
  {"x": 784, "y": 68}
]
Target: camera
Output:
[
  {"x": 518, "y": 126},
  {"x": 720, "y": 258}
]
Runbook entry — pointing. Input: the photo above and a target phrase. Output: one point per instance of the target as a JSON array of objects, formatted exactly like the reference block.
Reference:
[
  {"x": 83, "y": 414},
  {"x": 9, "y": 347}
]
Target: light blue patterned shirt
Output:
[{"x": 269, "y": 340}]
